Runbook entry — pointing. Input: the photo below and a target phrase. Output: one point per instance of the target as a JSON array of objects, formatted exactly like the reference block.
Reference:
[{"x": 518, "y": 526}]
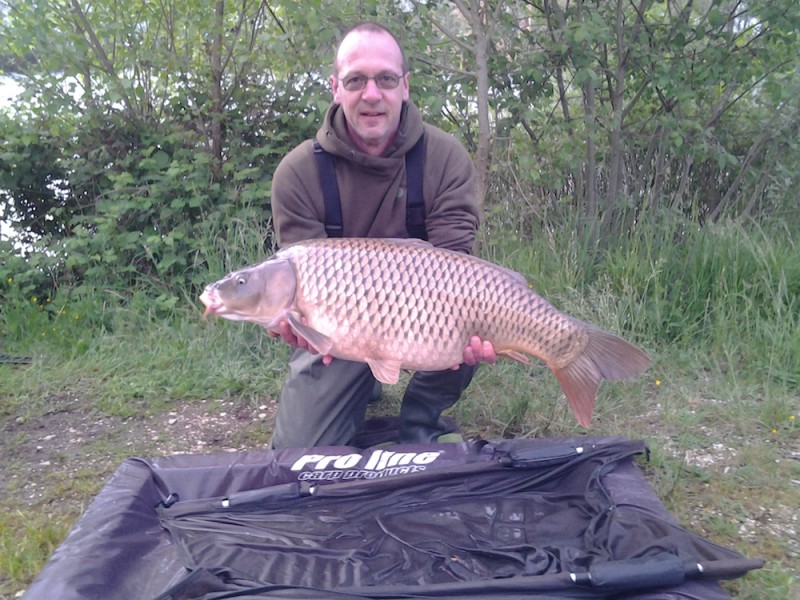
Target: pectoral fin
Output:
[
  {"x": 385, "y": 371},
  {"x": 320, "y": 341}
]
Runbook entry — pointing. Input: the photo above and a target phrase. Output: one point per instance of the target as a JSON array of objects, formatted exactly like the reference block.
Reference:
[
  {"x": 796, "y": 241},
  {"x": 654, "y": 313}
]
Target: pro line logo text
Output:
[{"x": 381, "y": 463}]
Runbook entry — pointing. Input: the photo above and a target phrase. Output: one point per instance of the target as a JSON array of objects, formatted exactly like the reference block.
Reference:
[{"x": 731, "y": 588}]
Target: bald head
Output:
[{"x": 370, "y": 27}]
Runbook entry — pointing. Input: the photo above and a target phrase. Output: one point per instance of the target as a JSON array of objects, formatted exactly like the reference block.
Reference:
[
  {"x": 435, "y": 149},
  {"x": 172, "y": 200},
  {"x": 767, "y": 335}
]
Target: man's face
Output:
[{"x": 372, "y": 113}]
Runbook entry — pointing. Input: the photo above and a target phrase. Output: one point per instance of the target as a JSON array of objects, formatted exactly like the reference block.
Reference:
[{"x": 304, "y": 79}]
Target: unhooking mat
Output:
[{"x": 546, "y": 518}]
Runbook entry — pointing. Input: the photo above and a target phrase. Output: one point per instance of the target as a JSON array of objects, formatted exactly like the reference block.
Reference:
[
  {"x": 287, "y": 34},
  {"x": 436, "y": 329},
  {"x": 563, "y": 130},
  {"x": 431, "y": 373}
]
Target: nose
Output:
[{"x": 372, "y": 92}]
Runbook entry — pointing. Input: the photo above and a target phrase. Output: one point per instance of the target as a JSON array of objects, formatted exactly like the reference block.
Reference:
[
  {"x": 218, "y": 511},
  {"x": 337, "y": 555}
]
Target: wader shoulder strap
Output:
[
  {"x": 330, "y": 192},
  {"x": 415, "y": 202}
]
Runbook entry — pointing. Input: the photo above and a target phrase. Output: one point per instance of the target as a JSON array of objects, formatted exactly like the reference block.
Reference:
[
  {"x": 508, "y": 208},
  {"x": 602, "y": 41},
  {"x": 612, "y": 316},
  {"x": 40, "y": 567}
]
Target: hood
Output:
[{"x": 334, "y": 138}]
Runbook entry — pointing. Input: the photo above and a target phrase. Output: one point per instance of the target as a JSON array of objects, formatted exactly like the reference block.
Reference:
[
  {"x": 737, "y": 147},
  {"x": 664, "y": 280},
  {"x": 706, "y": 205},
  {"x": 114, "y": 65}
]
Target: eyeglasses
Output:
[{"x": 385, "y": 81}]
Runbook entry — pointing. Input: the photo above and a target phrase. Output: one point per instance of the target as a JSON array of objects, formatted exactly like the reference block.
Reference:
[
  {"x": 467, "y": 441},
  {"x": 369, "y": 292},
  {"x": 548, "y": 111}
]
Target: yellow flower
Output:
[
  {"x": 774, "y": 430},
  {"x": 10, "y": 280},
  {"x": 34, "y": 298},
  {"x": 658, "y": 382},
  {"x": 791, "y": 417}
]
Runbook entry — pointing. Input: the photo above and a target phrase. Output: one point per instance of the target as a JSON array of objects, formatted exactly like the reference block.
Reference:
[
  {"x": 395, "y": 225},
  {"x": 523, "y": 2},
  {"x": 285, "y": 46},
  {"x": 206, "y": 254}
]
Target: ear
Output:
[
  {"x": 406, "y": 79},
  {"x": 336, "y": 89}
]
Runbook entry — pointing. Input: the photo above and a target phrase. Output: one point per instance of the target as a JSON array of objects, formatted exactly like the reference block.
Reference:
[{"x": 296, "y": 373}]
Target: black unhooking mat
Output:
[{"x": 567, "y": 518}]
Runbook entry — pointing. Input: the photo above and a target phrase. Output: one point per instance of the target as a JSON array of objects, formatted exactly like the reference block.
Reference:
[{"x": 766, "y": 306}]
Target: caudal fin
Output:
[{"x": 606, "y": 356}]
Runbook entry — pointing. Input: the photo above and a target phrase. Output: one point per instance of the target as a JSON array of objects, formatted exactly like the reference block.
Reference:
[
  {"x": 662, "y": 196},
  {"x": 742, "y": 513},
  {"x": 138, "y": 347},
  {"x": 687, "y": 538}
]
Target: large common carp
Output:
[{"x": 404, "y": 304}]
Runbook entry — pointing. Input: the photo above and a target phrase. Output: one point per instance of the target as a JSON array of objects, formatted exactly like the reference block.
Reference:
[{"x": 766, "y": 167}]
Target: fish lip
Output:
[{"x": 211, "y": 301}]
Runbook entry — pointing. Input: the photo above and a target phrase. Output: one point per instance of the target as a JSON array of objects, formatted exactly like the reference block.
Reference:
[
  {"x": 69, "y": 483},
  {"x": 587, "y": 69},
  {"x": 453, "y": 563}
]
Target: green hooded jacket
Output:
[{"x": 373, "y": 189}]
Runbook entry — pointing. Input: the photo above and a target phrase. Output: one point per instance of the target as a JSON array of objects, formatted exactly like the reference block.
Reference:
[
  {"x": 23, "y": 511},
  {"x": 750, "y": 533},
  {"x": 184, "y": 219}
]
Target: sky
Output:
[{"x": 9, "y": 89}]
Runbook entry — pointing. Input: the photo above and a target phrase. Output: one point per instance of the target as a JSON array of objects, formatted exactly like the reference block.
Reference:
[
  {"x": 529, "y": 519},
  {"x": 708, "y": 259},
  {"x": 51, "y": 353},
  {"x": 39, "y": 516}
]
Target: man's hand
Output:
[
  {"x": 479, "y": 350},
  {"x": 286, "y": 333}
]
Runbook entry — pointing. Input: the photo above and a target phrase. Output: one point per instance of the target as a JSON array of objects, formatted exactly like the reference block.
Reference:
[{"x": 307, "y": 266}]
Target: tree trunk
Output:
[
  {"x": 215, "y": 56},
  {"x": 617, "y": 95},
  {"x": 482, "y": 38},
  {"x": 591, "y": 202}
]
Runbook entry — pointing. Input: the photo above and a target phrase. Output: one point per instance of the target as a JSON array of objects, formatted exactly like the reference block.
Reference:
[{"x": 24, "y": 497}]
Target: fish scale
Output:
[
  {"x": 404, "y": 304},
  {"x": 410, "y": 294}
]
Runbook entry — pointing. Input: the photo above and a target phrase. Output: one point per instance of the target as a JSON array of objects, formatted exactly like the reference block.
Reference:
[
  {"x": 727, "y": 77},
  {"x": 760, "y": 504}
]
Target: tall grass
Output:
[
  {"x": 731, "y": 291},
  {"x": 131, "y": 354}
]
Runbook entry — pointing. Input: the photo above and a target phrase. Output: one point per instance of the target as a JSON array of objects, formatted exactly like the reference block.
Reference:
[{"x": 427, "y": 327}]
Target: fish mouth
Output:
[{"x": 211, "y": 301}]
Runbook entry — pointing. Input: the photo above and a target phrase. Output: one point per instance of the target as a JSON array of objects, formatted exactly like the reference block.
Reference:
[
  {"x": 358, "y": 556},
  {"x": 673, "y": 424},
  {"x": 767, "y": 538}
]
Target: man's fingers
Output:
[
  {"x": 479, "y": 350},
  {"x": 487, "y": 350},
  {"x": 476, "y": 347},
  {"x": 287, "y": 334},
  {"x": 469, "y": 356}
]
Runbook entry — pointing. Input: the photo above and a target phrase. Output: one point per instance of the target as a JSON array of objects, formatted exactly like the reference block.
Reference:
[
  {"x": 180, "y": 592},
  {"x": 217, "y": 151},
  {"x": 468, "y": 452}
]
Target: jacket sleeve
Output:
[
  {"x": 452, "y": 206},
  {"x": 297, "y": 211}
]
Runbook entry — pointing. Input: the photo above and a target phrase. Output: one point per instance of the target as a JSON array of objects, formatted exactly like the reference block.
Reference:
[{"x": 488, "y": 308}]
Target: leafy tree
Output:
[
  {"x": 615, "y": 111},
  {"x": 140, "y": 124}
]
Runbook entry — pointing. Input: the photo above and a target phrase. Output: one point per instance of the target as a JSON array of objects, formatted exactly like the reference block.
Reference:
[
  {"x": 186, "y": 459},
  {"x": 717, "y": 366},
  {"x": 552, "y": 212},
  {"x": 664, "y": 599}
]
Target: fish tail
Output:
[{"x": 606, "y": 356}]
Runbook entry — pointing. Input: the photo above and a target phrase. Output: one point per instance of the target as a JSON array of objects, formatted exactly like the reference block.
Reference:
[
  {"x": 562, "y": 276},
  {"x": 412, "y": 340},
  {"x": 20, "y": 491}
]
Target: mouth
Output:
[{"x": 211, "y": 301}]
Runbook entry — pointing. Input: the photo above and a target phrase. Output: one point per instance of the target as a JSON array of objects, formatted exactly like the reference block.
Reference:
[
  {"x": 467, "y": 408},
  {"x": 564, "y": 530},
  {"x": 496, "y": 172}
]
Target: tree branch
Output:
[{"x": 105, "y": 62}]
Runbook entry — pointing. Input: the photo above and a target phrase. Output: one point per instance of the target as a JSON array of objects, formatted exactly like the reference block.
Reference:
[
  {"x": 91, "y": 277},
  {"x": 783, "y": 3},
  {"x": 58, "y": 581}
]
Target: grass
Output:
[
  {"x": 137, "y": 359},
  {"x": 27, "y": 539},
  {"x": 718, "y": 309}
]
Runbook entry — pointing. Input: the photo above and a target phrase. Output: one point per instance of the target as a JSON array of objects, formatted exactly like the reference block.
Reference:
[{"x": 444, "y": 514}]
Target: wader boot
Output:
[{"x": 428, "y": 394}]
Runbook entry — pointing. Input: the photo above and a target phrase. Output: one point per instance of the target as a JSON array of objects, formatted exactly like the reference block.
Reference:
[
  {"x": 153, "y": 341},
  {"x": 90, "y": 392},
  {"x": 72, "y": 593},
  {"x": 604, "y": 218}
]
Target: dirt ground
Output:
[{"x": 69, "y": 441}]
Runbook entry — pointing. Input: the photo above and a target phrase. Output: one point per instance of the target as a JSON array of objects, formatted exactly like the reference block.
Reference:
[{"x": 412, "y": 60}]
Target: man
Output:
[{"x": 368, "y": 130}]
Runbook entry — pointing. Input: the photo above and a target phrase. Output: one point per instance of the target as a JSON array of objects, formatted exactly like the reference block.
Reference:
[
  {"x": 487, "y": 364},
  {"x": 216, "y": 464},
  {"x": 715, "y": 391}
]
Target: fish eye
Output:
[{"x": 241, "y": 280}]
